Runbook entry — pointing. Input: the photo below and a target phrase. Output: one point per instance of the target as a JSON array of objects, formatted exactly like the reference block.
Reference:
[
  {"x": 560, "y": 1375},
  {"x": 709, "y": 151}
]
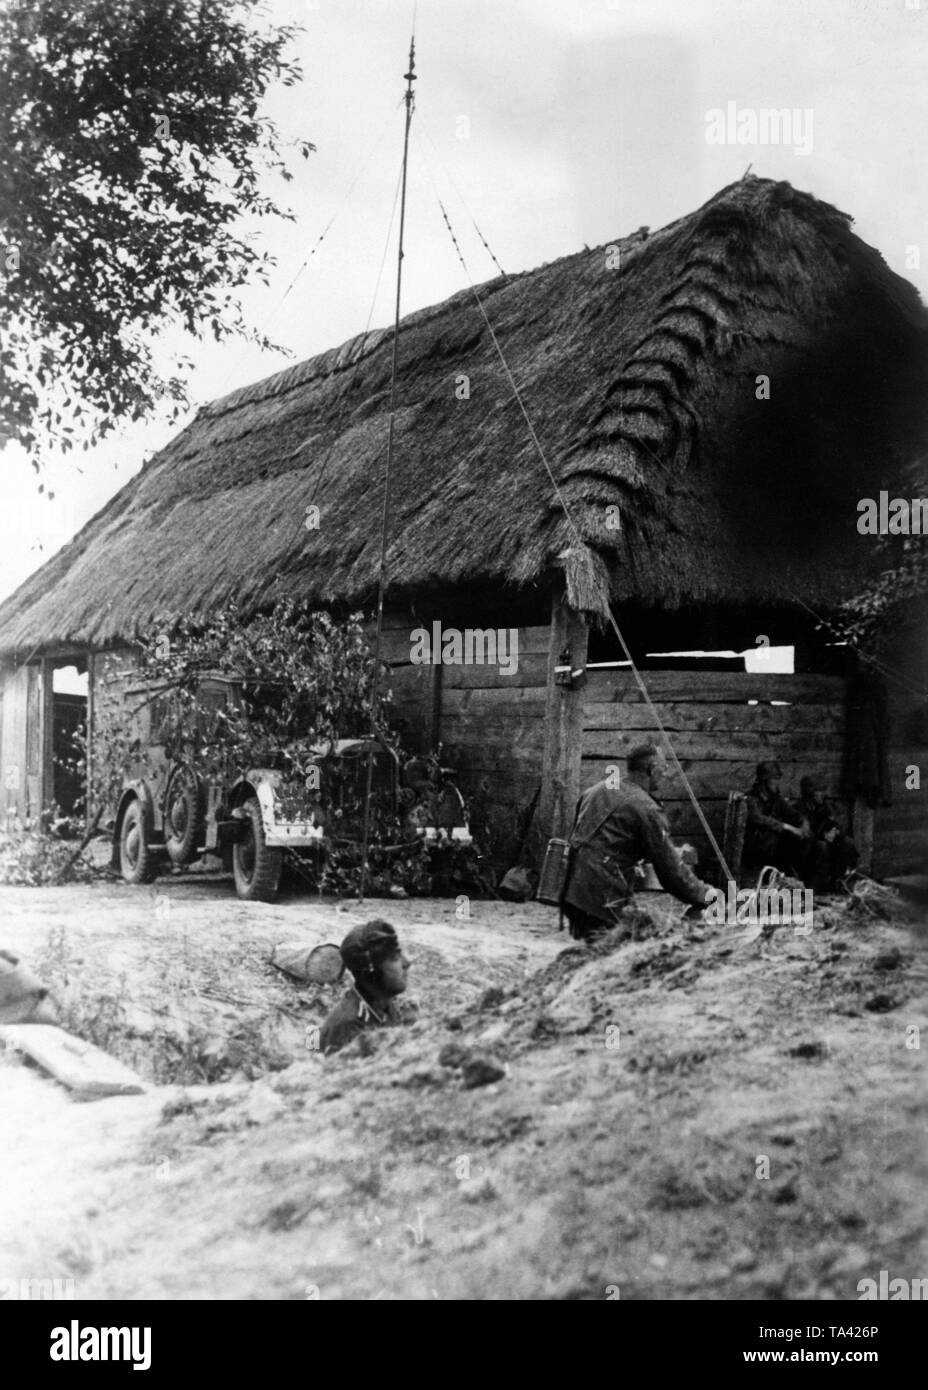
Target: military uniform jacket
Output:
[
  {"x": 768, "y": 810},
  {"x": 615, "y": 827},
  {"x": 820, "y": 815},
  {"x": 351, "y": 1016}
]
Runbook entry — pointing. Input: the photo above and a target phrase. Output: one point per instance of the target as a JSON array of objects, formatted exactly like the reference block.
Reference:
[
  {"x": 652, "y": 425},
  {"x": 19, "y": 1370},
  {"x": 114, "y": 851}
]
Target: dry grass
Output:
[{"x": 195, "y": 1019}]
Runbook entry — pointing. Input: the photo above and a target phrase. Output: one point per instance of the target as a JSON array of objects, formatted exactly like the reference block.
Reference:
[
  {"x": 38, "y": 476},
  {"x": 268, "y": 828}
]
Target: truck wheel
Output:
[
  {"x": 184, "y": 814},
  {"x": 137, "y": 862},
  {"x": 255, "y": 867}
]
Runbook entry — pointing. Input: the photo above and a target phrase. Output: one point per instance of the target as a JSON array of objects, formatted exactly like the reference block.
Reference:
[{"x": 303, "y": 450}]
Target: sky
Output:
[{"x": 551, "y": 124}]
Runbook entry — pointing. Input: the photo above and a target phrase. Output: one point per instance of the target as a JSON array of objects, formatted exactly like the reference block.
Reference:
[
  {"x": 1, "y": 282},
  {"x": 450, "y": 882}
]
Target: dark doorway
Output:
[{"x": 69, "y": 712}]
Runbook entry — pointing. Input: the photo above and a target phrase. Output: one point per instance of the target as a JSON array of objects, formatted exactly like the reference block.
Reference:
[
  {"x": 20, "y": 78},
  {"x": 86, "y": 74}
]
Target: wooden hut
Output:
[{"x": 714, "y": 399}]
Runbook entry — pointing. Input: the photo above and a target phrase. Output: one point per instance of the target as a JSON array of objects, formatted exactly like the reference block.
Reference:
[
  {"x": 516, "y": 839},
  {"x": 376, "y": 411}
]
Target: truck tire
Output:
[
  {"x": 137, "y": 861},
  {"x": 184, "y": 814},
  {"x": 255, "y": 867}
]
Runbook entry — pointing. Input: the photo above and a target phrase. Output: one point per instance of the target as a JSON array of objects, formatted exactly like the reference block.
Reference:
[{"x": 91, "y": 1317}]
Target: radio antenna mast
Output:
[{"x": 410, "y": 77}]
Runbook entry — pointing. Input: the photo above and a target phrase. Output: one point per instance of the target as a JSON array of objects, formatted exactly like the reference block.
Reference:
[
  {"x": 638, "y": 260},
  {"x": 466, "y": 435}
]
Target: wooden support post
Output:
[
  {"x": 88, "y": 743},
  {"x": 862, "y": 833},
  {"x": 47, "y": 736},
  {"x": 560, "y": 785},
  {"x": 432, "y": 710}
]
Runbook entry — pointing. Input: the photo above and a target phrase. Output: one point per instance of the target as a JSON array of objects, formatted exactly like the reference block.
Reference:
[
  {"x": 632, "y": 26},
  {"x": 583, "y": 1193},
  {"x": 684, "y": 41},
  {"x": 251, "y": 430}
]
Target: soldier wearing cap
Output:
[
  {"x": 373, "y": 954},
  {"x": 615, "y": 827},
  {"x": 774, "y": 833}
]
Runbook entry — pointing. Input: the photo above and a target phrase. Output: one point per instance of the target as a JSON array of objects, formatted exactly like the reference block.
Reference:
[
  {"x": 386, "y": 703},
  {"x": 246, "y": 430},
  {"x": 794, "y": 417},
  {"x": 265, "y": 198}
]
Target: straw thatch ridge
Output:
[{"x": 641, "y": 380}]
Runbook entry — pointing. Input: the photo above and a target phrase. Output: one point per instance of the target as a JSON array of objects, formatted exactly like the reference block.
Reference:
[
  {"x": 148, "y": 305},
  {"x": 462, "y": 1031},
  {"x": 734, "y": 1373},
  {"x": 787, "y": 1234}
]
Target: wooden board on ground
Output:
[{"x": 86, "y": 1070}]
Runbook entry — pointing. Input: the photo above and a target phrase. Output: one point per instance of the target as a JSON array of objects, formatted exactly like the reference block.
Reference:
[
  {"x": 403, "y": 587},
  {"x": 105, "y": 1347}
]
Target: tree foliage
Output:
[
  {"x": 305, "y": 680},
  {"x": 301, "y": 681},
  {"x": 132, "y": 159},
  {"x": 867, "y": 618}
]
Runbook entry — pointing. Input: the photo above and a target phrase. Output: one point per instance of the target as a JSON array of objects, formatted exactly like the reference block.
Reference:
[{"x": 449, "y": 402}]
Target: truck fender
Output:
[
  {"x": 265, "y": 794},
  {"x": 255, "y": 785}
]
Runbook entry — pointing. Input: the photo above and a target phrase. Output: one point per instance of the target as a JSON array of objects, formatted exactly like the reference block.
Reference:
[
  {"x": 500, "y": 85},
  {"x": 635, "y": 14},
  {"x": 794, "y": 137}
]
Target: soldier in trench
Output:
[{"x": 373, "y": 955}]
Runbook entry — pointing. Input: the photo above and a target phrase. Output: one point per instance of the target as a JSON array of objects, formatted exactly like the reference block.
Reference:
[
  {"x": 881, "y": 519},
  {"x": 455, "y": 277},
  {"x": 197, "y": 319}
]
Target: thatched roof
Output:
[{"x": 641, "y": 384}]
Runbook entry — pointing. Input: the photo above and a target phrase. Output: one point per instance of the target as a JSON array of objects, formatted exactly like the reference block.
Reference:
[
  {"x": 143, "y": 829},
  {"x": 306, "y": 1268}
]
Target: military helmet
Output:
[{"x": 367, "y": 946}]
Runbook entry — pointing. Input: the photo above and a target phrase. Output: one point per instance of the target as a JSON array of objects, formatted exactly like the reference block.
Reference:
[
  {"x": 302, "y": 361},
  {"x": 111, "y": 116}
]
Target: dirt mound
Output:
[
  {"x": 581, "y": 991},
  {"x": 682, "y": 1112}
]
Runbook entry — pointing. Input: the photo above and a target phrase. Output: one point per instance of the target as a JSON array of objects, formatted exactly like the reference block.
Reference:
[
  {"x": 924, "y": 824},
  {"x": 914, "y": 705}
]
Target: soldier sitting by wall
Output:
[
  {"x": 373, "y": 954},
  {"x": 837, "y": 853},
  {"x": 774, "y": 833},
  {"x": 615, "y": 827}
]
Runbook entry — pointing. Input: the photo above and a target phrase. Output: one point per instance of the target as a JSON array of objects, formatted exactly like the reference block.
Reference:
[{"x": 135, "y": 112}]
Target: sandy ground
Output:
[{"x": 687, "y": 1115}]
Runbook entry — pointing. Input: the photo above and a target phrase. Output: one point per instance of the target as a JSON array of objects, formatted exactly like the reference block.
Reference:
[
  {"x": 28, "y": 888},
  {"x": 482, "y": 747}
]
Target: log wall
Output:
[
  {"x": 17, "y": 685},
  {"x": 721, "y": 725},
  {"x": 900, "y": 842},
  {"x": 491, "y": 726},
  {"x": 493, "y": 729}
]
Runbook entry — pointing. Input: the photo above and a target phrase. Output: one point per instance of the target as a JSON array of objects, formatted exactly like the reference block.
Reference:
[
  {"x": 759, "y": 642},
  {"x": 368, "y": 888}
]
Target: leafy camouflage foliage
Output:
[
  {"x": 868, "y": 615},
  {"x": 301, "y": 681},
  {"x": 131, "y": 148},
  {"x": 33, "y": 858}
]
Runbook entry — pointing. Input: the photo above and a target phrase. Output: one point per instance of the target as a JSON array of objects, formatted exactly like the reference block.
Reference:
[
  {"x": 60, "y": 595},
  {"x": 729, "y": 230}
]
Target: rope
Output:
[
  {"x": 454, "y": 185},
  {"x": 888, "y": 672},
  {"x": 320, "y": 239},
  {"x": 341, "y": 207},
  {"x": 580, "y": 542},
  {"x": 364, "y": 336}
]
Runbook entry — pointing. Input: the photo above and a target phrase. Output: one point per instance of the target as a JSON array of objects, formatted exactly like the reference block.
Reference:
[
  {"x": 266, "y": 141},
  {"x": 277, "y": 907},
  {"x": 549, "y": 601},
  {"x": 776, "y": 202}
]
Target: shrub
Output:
[{"x": 33, "y": 858}]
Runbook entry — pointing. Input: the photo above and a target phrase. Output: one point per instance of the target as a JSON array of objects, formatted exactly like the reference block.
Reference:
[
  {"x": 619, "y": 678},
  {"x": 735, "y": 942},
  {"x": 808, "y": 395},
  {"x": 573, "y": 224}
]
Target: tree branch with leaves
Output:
[{"x": 133, "y": 157}]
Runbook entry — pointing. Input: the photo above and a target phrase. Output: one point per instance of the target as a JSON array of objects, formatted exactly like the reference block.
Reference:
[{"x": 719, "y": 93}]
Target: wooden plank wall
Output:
[
  {"x": 718, "y": 736},
  {"x": 15, "y": 699},
  {"x": 900, "y": 842},
  {"x": 415, "y": 689},
  {"x": 490, "y": 725},
  {"x": 493, "y": 730}
]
